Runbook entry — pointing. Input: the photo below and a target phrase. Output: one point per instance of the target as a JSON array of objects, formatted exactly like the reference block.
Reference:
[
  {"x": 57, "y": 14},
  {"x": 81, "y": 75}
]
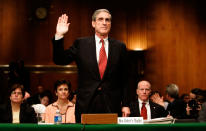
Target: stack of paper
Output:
[{"x": 163, "y": 120}]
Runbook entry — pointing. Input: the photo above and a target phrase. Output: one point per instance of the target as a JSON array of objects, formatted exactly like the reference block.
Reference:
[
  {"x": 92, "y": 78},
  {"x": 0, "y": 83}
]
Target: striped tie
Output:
[
  {"x": 144, "y": 111},
  {"x": 102, "y": 59}
]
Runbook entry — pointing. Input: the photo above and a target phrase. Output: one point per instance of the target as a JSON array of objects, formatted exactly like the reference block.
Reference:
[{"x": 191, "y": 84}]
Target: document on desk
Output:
[
  {"x": 139, "y": 120},
  {"x": 163, "y": 120}
]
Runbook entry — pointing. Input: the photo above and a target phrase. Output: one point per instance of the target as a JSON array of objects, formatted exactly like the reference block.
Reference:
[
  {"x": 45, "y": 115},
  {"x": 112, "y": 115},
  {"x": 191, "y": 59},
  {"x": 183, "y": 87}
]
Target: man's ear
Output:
[
  {"x": 93, "y": 24},
  {"x": 137, "y": 91}
]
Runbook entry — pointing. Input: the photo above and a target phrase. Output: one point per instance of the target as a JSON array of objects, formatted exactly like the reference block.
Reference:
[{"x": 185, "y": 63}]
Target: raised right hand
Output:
[{"x": 62, "y": 25}]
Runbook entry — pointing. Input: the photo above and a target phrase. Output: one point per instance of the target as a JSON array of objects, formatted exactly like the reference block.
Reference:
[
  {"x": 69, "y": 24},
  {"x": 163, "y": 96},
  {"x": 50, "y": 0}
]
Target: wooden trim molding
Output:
[{"x": 68, "y": 69}]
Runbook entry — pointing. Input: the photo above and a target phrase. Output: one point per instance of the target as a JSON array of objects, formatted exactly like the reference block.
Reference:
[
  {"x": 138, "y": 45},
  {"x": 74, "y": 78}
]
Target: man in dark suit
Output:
[
  {"x": 101, "y": 63},
  {"x": 152, "y": 110},
  {"x": 176, "y": 106}
]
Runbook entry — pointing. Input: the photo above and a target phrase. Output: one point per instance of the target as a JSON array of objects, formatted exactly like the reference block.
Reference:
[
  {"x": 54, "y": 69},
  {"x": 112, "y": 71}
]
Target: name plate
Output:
[{"x": 130, "y": 120}]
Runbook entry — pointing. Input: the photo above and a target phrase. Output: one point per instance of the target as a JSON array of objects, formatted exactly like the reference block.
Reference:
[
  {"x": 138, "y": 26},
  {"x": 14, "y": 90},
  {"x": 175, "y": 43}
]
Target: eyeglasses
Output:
[
  {"x": 14, "y": 93},
  {"x": 147, "y": 89},
  {"x": 101, "y": 19}
]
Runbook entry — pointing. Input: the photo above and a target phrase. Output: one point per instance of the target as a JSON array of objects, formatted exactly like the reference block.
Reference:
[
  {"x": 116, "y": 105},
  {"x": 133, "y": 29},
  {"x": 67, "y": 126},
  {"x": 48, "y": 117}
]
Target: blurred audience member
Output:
[
  {"x": 198, "y": 94},
  {"x": 67, "y": 108},
  {"x": 185, "y": 98},
  {"x": 176, "y": 106},
  {"x": 46, "y": 98},
  {"x": 15, "y": 111},
  {"x": 197, "y": 97},
  {"x": 27, "y": 95},
  {"x": 194, "y": 92},
  {"x": 143, "y": 106},
  {"x": 41, "y": 94},
  {"x": 74, "y": 98}
]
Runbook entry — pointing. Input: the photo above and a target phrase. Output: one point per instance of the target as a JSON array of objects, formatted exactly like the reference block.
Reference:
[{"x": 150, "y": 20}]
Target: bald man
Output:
[{"x": 142, "y": 106}]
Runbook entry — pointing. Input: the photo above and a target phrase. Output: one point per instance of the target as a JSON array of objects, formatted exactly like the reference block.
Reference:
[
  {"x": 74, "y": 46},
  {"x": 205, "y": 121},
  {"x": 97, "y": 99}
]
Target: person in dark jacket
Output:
[
  {"x": 102, "y": 67},
  {"x": 152, "y": 109},
  {"x": 15, "y": 111},
  {"x": 176, "y": 106}
]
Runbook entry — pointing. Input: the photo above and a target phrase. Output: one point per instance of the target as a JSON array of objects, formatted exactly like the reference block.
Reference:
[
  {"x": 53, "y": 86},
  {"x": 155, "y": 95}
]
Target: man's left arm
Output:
[{"x": 125, "y": 100}]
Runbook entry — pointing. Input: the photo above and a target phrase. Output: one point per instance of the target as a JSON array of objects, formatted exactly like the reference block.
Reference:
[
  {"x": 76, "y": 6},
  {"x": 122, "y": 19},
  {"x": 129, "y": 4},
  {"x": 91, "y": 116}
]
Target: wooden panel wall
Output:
[
  {"x": 171, "y": 31},
  {"x": 176, "y": 45}
]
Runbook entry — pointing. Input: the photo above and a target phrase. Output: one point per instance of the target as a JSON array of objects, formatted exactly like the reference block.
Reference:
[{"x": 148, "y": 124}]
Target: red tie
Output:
[
  {"x": 144, "y": 111},
  {"x": 102, "y": 59}
]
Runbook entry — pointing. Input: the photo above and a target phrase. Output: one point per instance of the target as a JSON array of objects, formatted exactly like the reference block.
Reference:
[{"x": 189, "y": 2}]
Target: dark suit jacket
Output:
[
  {"x": 177, "y": 109},
  {"x": 27, "y": 114},
  {"x": 113, "y": 83},
  {"x": 157, "y": 111}
]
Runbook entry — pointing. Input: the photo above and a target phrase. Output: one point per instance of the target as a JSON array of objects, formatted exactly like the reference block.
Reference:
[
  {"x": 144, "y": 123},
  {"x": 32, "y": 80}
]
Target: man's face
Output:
[
  {"x": 143, "y": 90},
  {"x": 102, "y": 25}
]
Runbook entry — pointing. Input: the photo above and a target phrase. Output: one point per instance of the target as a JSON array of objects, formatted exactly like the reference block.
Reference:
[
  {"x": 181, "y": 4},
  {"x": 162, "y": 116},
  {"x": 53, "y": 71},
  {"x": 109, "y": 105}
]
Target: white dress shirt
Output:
[
  {"x": 147, "y": 107},
  {"x": 99, "y": 45}
]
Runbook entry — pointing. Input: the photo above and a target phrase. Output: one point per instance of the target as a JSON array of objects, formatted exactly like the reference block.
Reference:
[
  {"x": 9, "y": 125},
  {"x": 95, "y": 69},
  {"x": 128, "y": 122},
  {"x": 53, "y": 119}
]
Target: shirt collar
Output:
[
  {"x": 98, "y": 39},
  {"x": 70, "y": 104},
  {"x": 140, "y": 101}
]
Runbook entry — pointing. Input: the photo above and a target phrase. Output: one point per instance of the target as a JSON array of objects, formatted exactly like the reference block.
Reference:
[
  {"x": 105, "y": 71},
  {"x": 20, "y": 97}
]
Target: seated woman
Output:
[
  {"x": 63, "y": 92},
  {"x": 15, "y": 111}
]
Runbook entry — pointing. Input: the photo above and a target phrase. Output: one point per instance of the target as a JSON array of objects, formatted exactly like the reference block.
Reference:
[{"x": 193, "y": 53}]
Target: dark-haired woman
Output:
[
  {"x": 63, "y": 92},
  {"x": 15, "y": 111}
]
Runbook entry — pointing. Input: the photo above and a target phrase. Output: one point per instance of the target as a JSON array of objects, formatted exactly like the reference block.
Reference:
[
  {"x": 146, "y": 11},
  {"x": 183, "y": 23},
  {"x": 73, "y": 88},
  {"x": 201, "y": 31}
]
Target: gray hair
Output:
[
  {"x": 96, "y": 12},
  {"x": 172, "y": 90}
]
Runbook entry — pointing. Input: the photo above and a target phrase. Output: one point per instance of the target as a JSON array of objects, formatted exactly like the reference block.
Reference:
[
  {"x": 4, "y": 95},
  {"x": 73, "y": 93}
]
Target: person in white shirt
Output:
[
  {"x": 142, "y": 106},
  {"x": 102, "y": 66}
]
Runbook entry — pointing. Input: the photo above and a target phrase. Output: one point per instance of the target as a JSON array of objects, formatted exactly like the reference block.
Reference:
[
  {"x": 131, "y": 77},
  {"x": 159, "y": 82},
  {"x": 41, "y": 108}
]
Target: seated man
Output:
[{"x": 143, "y": 106}]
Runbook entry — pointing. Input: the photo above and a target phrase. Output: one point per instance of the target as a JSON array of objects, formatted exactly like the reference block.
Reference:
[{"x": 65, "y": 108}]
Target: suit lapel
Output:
[
  {"x": 152, "y": 109},
  {"x": 94, "y": 57},
  {"x": 138, "y": 111}
]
